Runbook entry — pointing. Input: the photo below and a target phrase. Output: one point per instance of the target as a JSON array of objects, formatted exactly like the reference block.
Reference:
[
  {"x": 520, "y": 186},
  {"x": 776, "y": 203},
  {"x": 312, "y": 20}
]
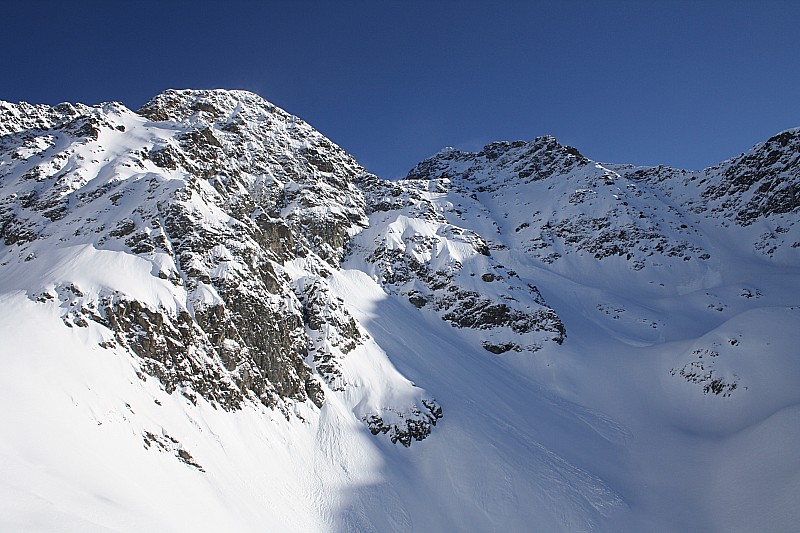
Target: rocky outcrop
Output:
[
  {"x": 404, "y": 427},
  {"x": 264, "y": 163},
  {"x": 703, "y": 371},
  {"x": 762, "y": 182},
  {"x": 413, "y": 250},
  {"x": 521, "y": 161},
  {"x": 331, "y": 329}
]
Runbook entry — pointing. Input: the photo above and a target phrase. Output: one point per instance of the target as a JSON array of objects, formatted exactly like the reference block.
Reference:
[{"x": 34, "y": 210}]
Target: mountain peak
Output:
[
  {"x": 179, "y": 104},
  {"x": 527, "y": 160}
]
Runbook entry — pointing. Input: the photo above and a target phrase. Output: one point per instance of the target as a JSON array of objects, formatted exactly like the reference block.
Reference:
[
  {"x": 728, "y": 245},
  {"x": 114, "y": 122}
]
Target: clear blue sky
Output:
[{"x": 686, "y": 84}]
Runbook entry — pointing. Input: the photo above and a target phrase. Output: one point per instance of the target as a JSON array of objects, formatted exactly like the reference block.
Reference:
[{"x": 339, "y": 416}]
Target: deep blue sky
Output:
[{"x": 681, "y": 83}]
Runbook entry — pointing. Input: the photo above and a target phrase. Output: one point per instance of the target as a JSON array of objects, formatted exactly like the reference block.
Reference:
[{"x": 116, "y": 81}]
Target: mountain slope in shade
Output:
[{"x": 213, "y": 318}]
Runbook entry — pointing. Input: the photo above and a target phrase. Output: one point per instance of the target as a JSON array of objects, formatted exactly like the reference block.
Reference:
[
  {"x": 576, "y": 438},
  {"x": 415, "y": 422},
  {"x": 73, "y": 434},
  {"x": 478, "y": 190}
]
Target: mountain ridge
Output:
[{"x": 219, "y": 262}]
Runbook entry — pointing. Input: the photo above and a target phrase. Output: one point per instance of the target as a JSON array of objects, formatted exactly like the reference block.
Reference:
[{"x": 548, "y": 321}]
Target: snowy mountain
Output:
[{"x": 212, "y": 317}]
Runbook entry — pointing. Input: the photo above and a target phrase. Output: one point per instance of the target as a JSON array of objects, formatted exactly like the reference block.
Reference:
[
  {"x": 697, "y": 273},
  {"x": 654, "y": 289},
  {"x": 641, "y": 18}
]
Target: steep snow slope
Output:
[
  {"x": 213, "y": 318},
  {"x": 678, "y": 320}
]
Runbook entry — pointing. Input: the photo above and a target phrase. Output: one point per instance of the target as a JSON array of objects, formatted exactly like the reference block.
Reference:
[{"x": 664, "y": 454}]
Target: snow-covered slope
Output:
[{"x": 212, "y": 318}]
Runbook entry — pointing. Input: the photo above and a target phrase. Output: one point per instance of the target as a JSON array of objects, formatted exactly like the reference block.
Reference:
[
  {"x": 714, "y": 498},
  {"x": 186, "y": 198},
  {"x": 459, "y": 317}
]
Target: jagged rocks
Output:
[
  {"x": 332, "y": 331},
  {"x": 168, "y": 444},
  {"x": 467, "y": 309},
  {"x": 762, "y": 182},
  {"x": 413, "y": 250},
  {"x": 405, "y": 427},
  {"x": 527, "y": 161},
  {"x": 172, "y": 348},
  {"x": 258, "y": 155}
]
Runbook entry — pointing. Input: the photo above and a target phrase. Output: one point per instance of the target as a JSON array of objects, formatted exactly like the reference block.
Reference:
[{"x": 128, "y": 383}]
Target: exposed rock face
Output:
[
  {"x": 760, "y": 183},
  {"x": 757, "y": 189},
  {"x": 402, "y": 427},
  {"x": 526, "y": 162},
  {"x": 269, "y": 167},
  {"x": 414, "y": 251},
  {"x": 332, "y": 331},
  {"x": 590, "y": 208}
]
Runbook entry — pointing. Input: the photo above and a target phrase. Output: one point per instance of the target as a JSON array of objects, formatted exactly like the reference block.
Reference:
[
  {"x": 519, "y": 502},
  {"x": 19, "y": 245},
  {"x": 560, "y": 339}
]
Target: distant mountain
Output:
[{"x": 215, "y": 318}]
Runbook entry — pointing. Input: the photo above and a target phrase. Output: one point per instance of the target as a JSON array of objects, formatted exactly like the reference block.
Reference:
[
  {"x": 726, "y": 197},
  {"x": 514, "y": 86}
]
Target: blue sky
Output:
[{"x": 686, "y": 84}]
